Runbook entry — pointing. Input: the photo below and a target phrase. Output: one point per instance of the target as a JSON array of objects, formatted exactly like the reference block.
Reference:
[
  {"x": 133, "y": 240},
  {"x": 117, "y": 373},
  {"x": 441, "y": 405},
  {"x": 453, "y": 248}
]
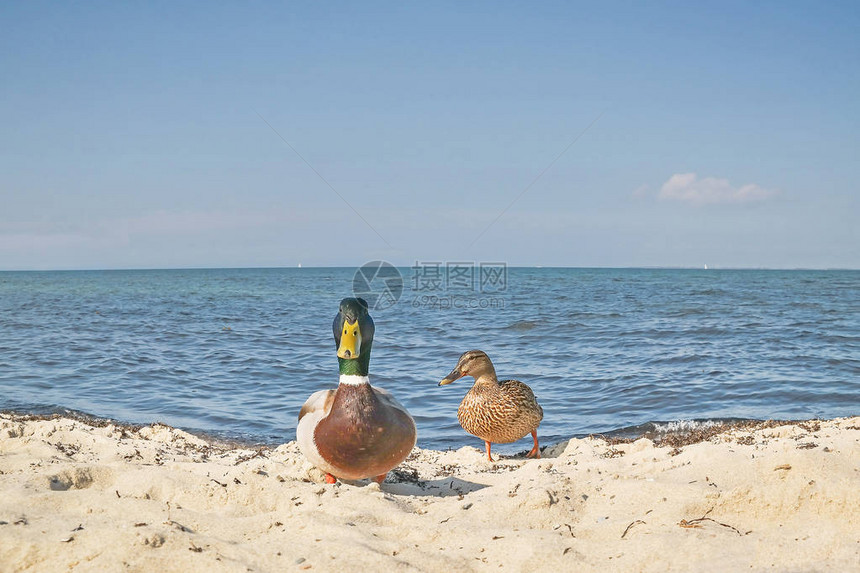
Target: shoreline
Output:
[
  {"x": 94, "y": 495},
  {"x": 658, "y": 431}
]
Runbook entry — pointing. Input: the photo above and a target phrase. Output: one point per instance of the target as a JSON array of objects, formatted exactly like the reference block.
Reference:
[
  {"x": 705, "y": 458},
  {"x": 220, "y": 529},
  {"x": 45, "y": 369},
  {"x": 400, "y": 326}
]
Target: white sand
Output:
[{"x": 74, "y": 497}]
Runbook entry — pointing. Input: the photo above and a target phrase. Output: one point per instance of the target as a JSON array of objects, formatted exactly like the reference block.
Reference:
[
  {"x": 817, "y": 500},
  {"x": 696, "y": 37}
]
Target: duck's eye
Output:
[
  {"x": 355, "y": 333},
  {"x": 345, "y": 331}
]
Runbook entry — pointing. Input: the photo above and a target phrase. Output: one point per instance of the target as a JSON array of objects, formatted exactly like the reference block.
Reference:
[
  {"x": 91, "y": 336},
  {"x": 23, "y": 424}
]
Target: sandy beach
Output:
[{"x": 93, "y": 496}]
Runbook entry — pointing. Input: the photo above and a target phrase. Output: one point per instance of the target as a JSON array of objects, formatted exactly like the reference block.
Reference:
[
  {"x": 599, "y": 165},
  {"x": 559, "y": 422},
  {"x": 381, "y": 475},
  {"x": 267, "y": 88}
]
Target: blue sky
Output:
[{"x": 138, "y": 135}]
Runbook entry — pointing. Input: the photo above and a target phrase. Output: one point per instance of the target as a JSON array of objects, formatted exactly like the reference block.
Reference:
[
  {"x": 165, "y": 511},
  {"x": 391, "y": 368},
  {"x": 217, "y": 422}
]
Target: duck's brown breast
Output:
[{"x": 361, "y": 436}]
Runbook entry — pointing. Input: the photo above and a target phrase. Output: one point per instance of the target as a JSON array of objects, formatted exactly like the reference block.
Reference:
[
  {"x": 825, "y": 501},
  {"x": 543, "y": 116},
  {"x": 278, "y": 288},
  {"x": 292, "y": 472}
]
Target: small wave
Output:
[
  {"x": 685, "y": 426},
  {"x": 657, "y": 429},
  {"x": 523, "y": 325},
  {"x": 684, "y": 312},
  {"x": 684, "y": 359},
  {"x": 708, "y": 292}
]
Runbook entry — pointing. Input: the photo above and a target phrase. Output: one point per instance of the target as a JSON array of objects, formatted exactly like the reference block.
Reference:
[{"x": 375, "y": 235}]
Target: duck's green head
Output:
[{"x": 353, "y": 336}]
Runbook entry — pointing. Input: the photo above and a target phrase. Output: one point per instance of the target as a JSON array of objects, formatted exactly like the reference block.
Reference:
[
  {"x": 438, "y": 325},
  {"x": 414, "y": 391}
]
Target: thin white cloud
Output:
[
  {"x": 641, "y": 191},
  {"x": 688, "y": 188}
]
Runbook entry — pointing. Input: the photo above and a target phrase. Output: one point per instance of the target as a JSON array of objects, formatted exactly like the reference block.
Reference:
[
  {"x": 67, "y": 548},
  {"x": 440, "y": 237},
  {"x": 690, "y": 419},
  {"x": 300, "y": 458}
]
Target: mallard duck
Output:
[
  {"x": 355, "y": 431},
  {"x": 497, "y": 412}
]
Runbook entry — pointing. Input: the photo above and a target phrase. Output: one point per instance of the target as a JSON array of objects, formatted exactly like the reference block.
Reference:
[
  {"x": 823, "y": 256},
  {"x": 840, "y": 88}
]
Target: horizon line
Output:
[{"x": 302, "y": 266}]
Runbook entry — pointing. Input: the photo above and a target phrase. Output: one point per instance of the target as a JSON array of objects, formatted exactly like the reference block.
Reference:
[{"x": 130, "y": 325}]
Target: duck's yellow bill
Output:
[{"x": 350, "y": 340}]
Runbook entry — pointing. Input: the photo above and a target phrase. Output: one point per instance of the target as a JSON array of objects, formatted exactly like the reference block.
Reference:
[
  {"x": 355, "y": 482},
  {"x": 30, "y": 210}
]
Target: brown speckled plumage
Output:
[
  {"x": 500, "y": 412},
  {"x": 497, "y": 412}
]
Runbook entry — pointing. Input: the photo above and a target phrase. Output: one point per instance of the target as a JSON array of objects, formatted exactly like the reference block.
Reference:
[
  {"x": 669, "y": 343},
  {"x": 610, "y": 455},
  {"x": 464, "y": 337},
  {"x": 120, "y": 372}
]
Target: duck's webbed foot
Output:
[
  {"x": 535, "y": 451},
  {"x": 489, "y": 456}
]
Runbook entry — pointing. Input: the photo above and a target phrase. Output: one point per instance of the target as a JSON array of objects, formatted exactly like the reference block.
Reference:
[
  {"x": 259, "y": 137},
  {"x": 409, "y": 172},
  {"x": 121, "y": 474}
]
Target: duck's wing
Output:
[
  {"x": 318, "y": 401},
  {"x": 522, "y": 396},
  {"x": 386, "y": 398}
]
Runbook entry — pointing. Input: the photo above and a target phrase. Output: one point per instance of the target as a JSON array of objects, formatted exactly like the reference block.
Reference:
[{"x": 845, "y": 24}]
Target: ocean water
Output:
[{"x": 235, "y": 352}]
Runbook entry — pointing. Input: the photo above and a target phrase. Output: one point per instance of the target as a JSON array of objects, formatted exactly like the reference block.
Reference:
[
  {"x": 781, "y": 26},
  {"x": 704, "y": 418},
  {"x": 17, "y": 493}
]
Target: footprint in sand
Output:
[{"x": 80, "y": 478}]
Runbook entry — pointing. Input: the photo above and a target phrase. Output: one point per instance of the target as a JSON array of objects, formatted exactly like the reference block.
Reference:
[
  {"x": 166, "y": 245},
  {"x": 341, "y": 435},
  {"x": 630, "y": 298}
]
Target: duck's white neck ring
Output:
[{"x": 353, "y": 380}]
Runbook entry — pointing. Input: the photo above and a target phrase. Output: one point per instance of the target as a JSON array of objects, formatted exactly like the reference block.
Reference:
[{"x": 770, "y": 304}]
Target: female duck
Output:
[
  {"x": 355, "y": 431},
  {"x": 497, "y": 412}
]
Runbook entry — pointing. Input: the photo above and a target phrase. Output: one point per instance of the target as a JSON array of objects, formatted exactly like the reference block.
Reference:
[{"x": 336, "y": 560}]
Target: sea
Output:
[{"x": 234, "y": 353}]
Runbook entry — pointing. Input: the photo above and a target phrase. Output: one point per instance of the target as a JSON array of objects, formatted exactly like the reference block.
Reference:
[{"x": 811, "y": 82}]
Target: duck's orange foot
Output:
[
  {"x": 535, "y": 451},
  {"x": 489, "y": 455},
  {"x": 380, "y": 478},
  {"x": 330, "y": 478}
]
